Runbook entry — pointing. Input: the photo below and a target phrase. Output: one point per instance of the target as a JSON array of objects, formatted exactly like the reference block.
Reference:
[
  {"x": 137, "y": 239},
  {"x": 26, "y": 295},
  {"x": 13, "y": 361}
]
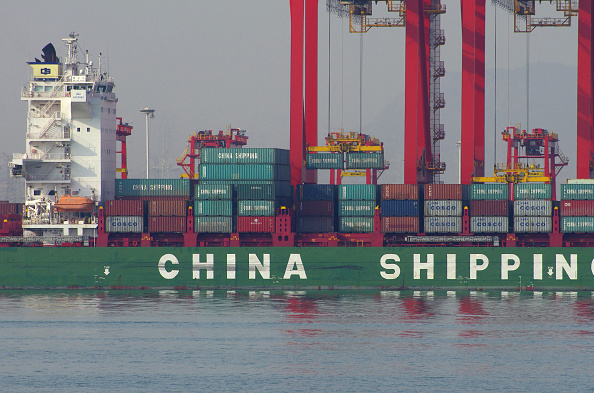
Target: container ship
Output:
[{"x": 236, "y": 219}]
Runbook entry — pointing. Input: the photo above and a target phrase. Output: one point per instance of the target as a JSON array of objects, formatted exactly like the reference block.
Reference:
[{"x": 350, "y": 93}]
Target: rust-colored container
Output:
[
  {"x": 124, "y": 208},
  {"x": 9, "y": 208},
  {"x": 167, "y": 208},
  {"x": 400, "y": 224},
  {"x": 152, "y": 198},
  {"x": 400, "y": 192},
  {"x": 488, "y": 208},
  {"x": 446, "y": 191},
  {"x": 314, "y": 208},
  {"x": 576, "y": 208},
  {"x": 256, "y": 224},
  {"x": 166, "y": 224}
]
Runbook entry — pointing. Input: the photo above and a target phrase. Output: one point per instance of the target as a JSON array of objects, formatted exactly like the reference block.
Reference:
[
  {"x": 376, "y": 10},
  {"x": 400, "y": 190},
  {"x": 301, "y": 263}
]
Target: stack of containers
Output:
[
  {"x": 166, "y": 200},
  {"x": 356, "y": 207},
  {"x": 400, "y": 208},
  {"x": 262, "y": 179},
  {"x": 489, "y": 208},
  {"x": 315, "y": 208},
  {"x": 124, "y": 216},
  {"x": 213, "y": 208},
  {"x": 444, "y": 207},
  {"x": 533, "y": 208},
  {"x": 577, "y": 207}
]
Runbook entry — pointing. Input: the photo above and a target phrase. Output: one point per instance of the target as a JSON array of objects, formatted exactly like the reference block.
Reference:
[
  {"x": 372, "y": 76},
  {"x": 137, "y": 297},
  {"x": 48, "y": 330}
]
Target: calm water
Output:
[{"x": 220, "y": 341}]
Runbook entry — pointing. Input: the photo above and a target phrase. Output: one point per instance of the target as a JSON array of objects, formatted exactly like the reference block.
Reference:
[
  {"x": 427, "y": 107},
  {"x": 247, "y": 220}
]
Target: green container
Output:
[
  {"x": 491, "y": 192},
  {"x": 577, "y": 224},
  {"x": 245, "y": 156},
  {"x": 256, "y": 208},
  {"x": 268, "y": 191},
  {"x": 213, "y": 191},
  {"x": 359, "y": 192},
  {"x": 532, "y": 191},
  {"x": 213, "y": 208},
  {"x": 210, "y": 224},
  {"x": 356, "y": 208},
  {"x": 371, "y": 160},
  {"x": 245, "y": 172},
  {"x": 577, "y": 192},
  {"x": 324, "y": 161},
  {"x": 152, "y": 187},
  {"x": 355, "y": 224}
]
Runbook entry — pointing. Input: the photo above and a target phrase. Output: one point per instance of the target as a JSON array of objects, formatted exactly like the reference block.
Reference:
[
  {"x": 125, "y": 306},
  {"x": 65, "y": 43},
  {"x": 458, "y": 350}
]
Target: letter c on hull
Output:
[{"x": 168, "y": 274}]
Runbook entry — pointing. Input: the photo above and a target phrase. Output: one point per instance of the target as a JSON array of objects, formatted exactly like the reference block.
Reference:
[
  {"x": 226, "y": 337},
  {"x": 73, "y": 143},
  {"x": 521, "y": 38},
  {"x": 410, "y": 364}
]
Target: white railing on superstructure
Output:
[{"x": 41, "y": 156}]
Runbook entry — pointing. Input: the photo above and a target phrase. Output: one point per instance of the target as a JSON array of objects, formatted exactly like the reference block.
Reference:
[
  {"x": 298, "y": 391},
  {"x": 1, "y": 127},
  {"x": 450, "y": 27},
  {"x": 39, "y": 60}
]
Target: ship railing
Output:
[
  {"x": 27, "y": 93},
  {"x": 50, "y": 177},
  {"x": 41, "y": 156}
]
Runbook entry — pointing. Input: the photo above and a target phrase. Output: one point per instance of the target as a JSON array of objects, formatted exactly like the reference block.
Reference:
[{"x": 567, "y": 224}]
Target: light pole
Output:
[{"x": 148, "y": 112}]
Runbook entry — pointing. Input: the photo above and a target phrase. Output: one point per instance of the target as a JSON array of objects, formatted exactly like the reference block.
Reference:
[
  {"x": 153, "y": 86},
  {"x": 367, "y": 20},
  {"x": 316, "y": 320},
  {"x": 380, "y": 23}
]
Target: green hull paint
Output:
[{"x": 348, "y": 268}]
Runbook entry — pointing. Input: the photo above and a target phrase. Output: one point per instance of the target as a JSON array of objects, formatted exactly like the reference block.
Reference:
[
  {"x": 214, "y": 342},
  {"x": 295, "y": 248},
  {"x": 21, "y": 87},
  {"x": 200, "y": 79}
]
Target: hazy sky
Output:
[{"x": 204, "y": 64}]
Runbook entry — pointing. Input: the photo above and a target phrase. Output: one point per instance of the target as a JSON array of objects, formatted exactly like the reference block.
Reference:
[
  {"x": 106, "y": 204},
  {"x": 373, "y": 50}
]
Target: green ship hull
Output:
[{"x": 456, "y": 268}]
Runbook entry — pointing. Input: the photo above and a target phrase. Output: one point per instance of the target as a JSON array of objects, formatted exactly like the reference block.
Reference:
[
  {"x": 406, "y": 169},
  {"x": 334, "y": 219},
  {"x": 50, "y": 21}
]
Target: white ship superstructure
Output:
[{"x": 70, "y": 140}]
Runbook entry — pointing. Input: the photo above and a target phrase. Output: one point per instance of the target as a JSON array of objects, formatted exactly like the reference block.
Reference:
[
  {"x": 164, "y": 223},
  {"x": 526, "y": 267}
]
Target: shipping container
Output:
[
  {"x": 532, "y": 191},
  {"x": 400, "y": 192},
  {"x": 576, "y": 208},
  {"x": 355, "y": 224},
  {"x": 256, "y": 208},
  {"x": 370, "y": 160},
  {"x": 10, "y": 208},
  {"x": 533, "y": 208},
  {"x": 324, "y": 161},
  {"x": 124, "y": 224},
  {"x": 391, "y": 208},
  {"x": 213, "y": 191},
  {"x": 532, "y": 224},
  {"x": 244, "y": 172},
  {"x": 489, "y": 208},
  {"x": 492, "y": 192},
  {"x": 356, "y": 208},
  {"x": 167, "y": 208},
  {"x": 489, "y": 224},
  {"x": 152, "y": 198},
  {"x": 443, "y": 208},
  {"x": 167, "y": 224},
  {"x": 256, "y": 224},
  {"x": 314, "y": 208},
  {"x": 443, "y": 224},
  {"x": 577, "y": 224},
  {"x": 213, "y": 208},
  {"x": 445, "y": 191},
  {"x": 577, "y": 192},
  {"x": 213, "y": 224},
  {"x": 245, "y": 155},
  {"x": 124, "y": 208},
  {"x": 580, "y": 181},
  {"x": 316, "y": 192},
  {"x": 281, "y": 188},
  {"x": 306, "y": 224},
  {"x": 152, "y": 187},
  {"x": 357, "y": 192},
  {"x": 263, "y": 191},
  {"x": 400, "y": 224}
]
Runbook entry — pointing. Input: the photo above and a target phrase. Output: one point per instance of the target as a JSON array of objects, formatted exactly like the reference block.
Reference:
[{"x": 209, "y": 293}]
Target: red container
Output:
[
  {"x": 400, "y": 192},
  {"x": 166, "y": 224},
  {"x": 9, "y": 208},
  {"x": 576, "y": 208},
  {"x": 256, "y": 224},
  {"x": 314, "y": 208},
  {"x": 167, "y": 208},
  {"x": 400, "y": 224},
  {"x": 446, "y": 191},
  {"x": 151, "y": 198},
  {"x": 124, "y": 208},
  {"x": 488, "y": 208}
]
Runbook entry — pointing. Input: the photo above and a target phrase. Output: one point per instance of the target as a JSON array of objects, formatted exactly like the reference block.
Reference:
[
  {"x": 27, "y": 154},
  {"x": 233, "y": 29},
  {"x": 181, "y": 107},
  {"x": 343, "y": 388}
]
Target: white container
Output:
[
  {"x": 441, "y": 208},
  {"x": 533, "y": 224},
  {"x": 124, "y": 224},
  {"x": 533, "y": 208},
  {"x": 443, "y": 224},
  {"x": 489, "y": 224}
]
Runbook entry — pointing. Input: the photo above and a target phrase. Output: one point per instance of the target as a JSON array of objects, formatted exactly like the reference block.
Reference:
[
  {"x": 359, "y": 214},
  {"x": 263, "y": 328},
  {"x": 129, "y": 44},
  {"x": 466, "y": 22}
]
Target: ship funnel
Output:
[{"x": 49, "y": 54}]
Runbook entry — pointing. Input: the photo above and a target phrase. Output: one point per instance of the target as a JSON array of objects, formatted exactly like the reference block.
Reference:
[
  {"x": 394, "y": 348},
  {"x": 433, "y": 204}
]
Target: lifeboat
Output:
[{"x": 68, "y": 203}]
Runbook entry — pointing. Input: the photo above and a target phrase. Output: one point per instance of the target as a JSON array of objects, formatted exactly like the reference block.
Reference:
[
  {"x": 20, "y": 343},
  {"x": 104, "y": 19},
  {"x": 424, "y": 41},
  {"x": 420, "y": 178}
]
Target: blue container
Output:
[
  {"x": 324, "y": 161},
  {"x": 152, "y": 188},
  {"x": 245, "y": 155},
  {"x": 577, "y": 192},
  {"x": 316, "y": 192},
  {"x": 399, "y": 208},
  {"x": 244, "y": 172}
]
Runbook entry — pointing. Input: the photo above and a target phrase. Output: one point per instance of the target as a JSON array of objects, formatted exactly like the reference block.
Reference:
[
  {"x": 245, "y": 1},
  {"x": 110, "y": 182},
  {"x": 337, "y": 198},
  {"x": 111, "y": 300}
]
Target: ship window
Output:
[
  {"x": 114, "y": 111},
  {"x": 77, "y": 129},
  {"x": 101, "y": 109},
  {"x": 88, "y": 129},
  {"x": 52, "y": 192},
  {"x": 38, "y": 88},
  {"x": 108, "y": 110},
  {"x": 36, "y": 192},
  {"x": 48, "y": 88}
]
